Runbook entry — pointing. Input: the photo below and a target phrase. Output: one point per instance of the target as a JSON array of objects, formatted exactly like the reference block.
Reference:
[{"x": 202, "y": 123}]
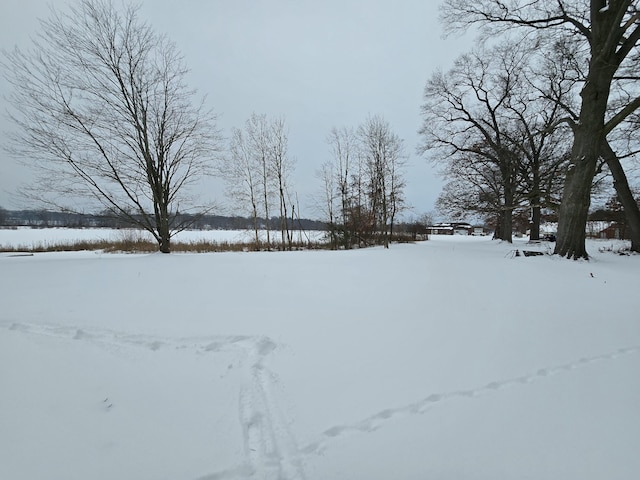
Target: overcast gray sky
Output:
[{"x": 318, "y": 63}]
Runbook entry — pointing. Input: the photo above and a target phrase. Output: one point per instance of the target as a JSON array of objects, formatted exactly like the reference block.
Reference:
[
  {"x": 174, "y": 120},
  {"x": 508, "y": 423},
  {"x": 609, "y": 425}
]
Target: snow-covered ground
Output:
[{"x": 448, "y": 359}]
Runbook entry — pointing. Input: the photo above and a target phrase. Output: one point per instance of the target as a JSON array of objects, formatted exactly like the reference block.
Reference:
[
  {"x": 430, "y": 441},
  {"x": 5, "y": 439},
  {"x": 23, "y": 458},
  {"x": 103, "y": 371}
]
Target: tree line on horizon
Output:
[{"x": 46, "y": 219}]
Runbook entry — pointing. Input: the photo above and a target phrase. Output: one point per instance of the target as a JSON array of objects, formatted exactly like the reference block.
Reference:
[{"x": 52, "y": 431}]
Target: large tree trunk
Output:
[
  {"x": 536, "y": 209},
  {"x": 161, "y": 210},
  {"x": 505, "y": 219},
  {"x": 576, "y": 198},
  {"x": 629, "y": 204},
  {"x": 587, "y": 144},
  {"x": 497, "y": 233},
  {"x": 534, "y": 227},
  {"x": 588, "y": 133},
  {"x": 507, "y": 226},
  {"x": 164, "y": 234},
  {"x": 164, "y": 244}
]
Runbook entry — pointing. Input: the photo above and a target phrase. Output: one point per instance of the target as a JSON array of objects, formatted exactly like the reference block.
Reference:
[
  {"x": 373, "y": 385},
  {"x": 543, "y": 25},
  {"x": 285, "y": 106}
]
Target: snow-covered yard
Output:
[{"x": 448, "y": 359}]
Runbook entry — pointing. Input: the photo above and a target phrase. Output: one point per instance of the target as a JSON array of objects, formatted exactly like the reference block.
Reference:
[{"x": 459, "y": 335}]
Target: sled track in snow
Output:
[
  {"x": 269, "y": 443},
  {"x": 270, "y": 448},
  {"x": 271, "y": 452},
  {"x": 110, "y": 338}
]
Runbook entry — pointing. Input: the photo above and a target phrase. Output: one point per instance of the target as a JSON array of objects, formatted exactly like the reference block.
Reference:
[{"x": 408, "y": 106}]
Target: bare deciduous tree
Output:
[
  {"x": 564, "y": 73},
  {"x": 327, "y": 203},
  {"x": 257, "y": 172},
  {"x": 367, "y": 174},
  {"x": 258, "y": 135},
  {"x": 467, "y": 124},
  {"x": 280, "y": 167},
  {"x": 104, "y": 112},
  {"x": 241, "y": 175},
  {"x": 489, "y": 123},
  {"x": 343, "y": 146},
  {"x": 384, "y": 156}
]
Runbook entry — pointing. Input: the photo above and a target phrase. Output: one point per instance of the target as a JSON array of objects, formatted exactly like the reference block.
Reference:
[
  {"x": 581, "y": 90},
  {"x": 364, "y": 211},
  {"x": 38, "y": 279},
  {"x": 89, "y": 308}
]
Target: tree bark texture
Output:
[{"x": 588, "y": 139}]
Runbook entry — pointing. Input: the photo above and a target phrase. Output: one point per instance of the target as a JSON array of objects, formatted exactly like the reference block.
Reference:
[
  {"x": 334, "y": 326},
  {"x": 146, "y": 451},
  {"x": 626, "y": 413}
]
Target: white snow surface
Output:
[{"x": 447, "y": 359}]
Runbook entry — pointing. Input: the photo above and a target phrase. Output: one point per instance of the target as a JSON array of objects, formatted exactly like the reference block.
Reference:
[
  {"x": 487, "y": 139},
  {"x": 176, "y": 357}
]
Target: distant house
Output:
[
  {"x": 594, "y": 229},
  {"x": 440, "y": 229},
  {"x": 615, "y": 231},
  {"x": 453, "y": 228}
]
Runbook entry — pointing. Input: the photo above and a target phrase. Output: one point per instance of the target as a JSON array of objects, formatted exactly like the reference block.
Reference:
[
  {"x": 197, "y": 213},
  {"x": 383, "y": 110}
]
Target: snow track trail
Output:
[
  {"x": 269, "y": 443},
  {"x": 270, "y": 448},
  {"x": 112, "y": 339}
]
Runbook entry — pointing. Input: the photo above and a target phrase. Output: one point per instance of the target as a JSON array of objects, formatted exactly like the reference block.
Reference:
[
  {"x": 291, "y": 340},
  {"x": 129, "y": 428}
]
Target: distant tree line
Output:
[{"x": 45, "y": 219}]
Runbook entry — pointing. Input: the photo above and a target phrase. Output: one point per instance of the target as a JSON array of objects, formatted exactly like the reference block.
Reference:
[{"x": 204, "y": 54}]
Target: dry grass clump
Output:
[
  {"x": 83, "y": 245},
  {"x": 136, "y": 241},
  {"x": 207, "y": 246}
]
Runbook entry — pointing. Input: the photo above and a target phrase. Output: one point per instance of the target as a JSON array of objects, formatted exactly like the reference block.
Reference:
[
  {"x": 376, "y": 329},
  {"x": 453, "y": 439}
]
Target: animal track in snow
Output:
[{"x": 375, "y": 421}]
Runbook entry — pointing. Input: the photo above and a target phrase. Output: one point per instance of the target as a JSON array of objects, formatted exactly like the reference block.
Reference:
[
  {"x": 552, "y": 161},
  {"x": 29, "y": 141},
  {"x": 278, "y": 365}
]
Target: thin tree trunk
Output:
[
  {"x": 265, "y": 193},
  {"x": 284, "y": 221},
  {"x": 254, "y": 207}
]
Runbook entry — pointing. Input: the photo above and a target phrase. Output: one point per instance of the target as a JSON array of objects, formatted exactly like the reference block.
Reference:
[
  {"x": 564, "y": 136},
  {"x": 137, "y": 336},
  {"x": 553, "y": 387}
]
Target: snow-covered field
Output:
[
  {"x": 28, "y": 238},
  {"x": 448, "y": 359}
]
